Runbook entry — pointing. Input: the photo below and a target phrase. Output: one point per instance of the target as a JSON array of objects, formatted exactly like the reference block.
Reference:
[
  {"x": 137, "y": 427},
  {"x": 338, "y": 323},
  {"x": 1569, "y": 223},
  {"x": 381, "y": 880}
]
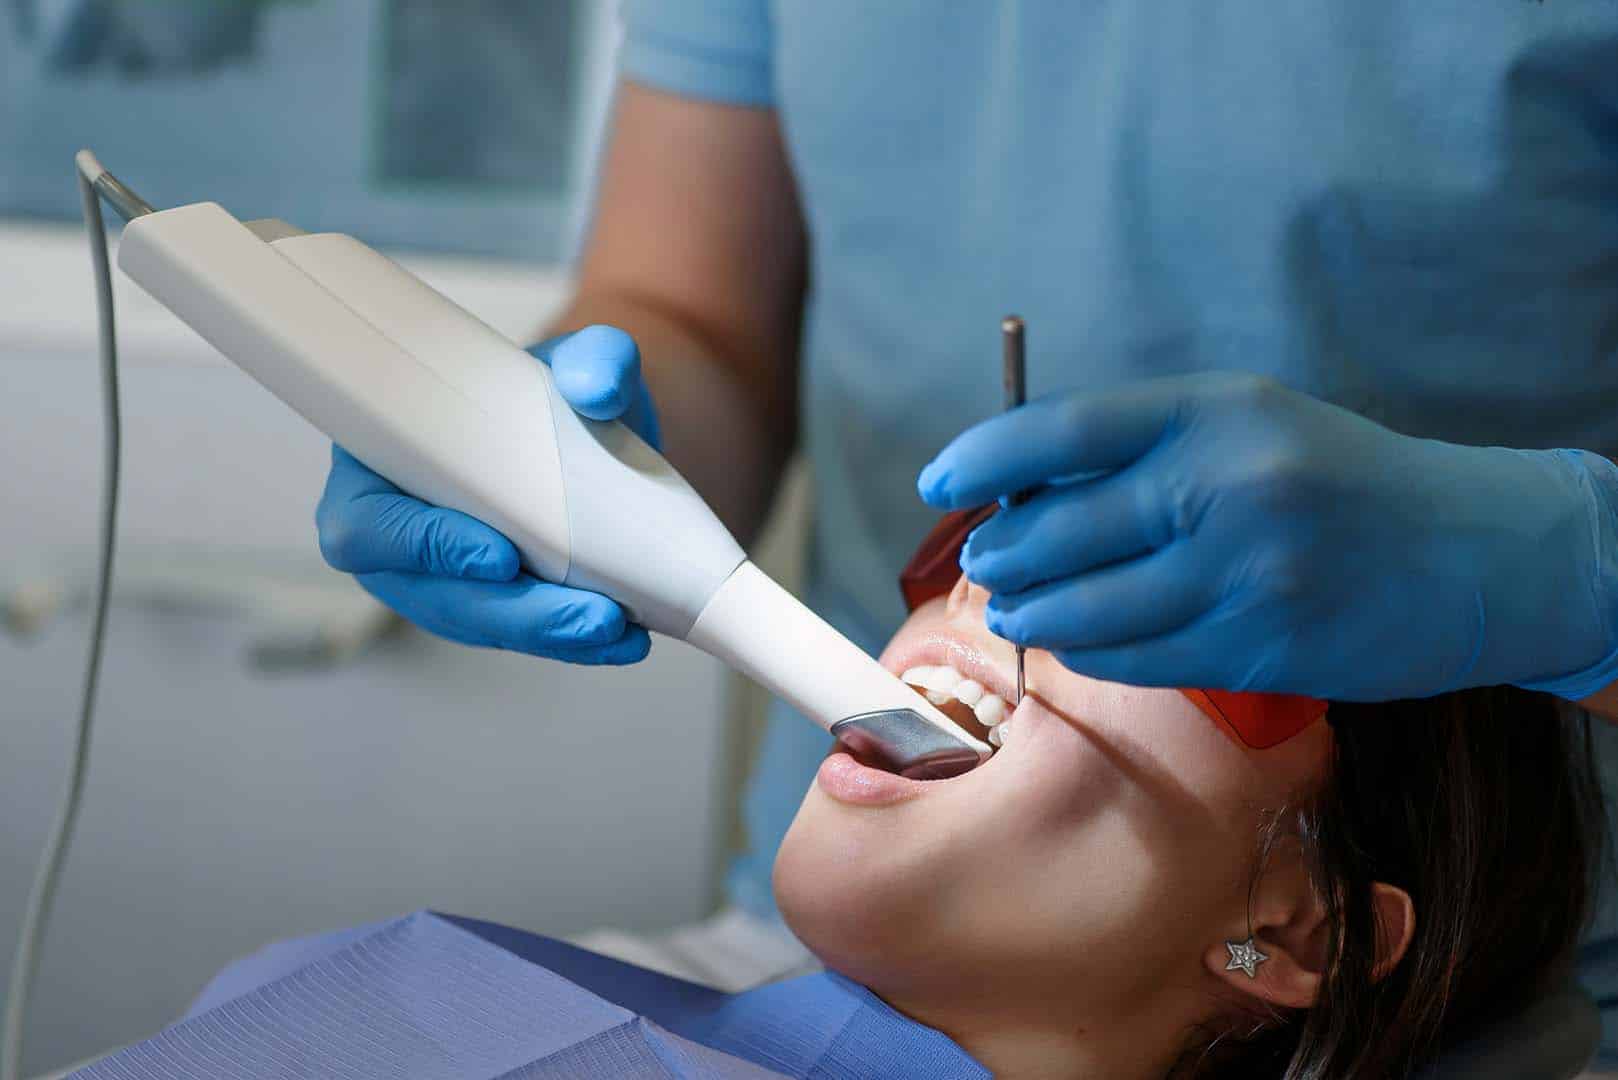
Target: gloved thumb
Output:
[{"x": 597, "y": 371}]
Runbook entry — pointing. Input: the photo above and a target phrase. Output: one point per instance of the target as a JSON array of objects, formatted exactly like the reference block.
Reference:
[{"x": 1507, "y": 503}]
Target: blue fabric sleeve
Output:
[{"x": 717, "y": 50}]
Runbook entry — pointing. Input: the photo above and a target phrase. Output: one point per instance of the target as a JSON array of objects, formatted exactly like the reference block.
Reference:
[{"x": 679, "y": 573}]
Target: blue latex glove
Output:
[
  {"x": 457, "y": 577},
  {"x": 1222, "y": 531}
]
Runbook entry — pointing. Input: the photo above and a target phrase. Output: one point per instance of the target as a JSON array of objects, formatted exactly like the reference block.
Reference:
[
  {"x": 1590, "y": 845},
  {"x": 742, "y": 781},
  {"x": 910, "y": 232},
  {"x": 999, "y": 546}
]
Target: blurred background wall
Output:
[
  {"x": 463, "y": 127},
  {"x": 275, "y": 756}
]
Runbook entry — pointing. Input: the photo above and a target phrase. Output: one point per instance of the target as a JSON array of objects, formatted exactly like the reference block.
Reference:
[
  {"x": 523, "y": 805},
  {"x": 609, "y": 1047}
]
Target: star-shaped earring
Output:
[{"x": 1244, "y": 955}]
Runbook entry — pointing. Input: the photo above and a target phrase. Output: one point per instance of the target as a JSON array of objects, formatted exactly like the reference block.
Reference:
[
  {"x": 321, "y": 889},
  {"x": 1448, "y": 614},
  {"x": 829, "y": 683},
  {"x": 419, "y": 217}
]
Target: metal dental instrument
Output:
[{"x": 1014, "y": 379}]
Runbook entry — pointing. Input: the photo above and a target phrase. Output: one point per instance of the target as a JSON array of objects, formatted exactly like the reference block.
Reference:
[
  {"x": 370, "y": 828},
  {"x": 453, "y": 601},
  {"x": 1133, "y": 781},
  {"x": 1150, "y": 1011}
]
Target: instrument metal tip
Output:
[{"x": 1014, "y": 380}]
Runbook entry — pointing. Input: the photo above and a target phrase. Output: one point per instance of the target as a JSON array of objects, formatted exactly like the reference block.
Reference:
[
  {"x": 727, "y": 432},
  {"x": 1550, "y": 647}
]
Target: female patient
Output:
[{"x": 1126, "y": 890}]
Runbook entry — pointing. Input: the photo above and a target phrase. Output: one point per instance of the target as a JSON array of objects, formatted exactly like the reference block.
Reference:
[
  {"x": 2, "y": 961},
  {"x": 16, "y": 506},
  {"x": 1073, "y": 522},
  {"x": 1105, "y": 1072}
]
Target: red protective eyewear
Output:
[{"x": 1258, "y": 720}]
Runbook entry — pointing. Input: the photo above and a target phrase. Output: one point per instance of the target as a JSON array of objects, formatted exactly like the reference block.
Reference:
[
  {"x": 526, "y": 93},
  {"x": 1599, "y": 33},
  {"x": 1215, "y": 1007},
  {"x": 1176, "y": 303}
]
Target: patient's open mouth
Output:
[
  {"x": 980, "y": 713},
  {"x": 853, "y": 776},
  {"x": 960, "y": 679},
  {"x": 964, "y": 700}
]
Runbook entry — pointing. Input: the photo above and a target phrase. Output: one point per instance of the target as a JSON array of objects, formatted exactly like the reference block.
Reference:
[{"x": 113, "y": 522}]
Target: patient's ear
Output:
[
  {"x": 1288, "y": 927},
  {"x": 1395, "y": 927}
]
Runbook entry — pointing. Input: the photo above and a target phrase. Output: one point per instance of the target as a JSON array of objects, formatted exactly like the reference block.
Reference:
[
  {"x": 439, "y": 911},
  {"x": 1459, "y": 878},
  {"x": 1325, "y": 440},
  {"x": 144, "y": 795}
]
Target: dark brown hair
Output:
[{"x": 1485, "y": 806}]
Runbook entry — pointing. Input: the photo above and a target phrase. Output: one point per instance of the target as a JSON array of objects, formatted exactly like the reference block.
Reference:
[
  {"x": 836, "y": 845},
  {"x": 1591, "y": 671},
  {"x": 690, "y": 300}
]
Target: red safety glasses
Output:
[{"x": 1257, "y": 720}]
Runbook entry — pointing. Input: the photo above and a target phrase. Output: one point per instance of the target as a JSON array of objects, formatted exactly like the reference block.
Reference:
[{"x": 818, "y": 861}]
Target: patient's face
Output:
[{"x": 1106, "y": 846}]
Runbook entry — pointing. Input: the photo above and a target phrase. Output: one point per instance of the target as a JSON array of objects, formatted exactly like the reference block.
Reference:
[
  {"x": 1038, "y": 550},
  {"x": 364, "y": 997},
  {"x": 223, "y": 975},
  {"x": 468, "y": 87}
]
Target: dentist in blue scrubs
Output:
[{"x": 1323, "y": 310}]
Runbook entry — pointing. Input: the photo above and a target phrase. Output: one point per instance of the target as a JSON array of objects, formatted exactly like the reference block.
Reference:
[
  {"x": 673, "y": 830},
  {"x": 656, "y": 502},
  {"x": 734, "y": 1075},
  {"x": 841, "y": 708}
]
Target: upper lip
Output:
[{"x": 941, "y": 646}]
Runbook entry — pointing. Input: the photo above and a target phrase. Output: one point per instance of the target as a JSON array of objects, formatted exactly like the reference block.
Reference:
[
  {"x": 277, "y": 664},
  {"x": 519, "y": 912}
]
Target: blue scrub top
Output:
[{"x": 1408, "y": 209}]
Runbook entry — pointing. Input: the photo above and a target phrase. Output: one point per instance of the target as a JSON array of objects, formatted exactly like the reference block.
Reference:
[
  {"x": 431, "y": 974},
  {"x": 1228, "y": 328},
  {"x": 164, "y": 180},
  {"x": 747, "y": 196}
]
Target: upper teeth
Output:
[{"x": 944, "y": 684}]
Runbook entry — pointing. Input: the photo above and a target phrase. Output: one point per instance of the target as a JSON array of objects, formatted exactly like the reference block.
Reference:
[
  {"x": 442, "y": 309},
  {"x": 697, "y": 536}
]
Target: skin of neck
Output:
[{"x": 1061, "y": 1039}]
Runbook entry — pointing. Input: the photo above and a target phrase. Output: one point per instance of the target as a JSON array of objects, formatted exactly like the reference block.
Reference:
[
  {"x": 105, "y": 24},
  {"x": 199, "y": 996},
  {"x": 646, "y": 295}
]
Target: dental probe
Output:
[{"x": 1014, "y": 379}]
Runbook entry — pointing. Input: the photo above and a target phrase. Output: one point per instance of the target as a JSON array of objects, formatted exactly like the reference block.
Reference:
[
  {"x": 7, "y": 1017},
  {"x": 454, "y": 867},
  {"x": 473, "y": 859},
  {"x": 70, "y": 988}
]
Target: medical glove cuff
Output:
[{"x": 1598, "y": 478}]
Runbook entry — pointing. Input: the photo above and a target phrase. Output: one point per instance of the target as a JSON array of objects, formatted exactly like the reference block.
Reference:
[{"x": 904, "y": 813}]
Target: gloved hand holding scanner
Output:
[{"x": 459, "y": 578}]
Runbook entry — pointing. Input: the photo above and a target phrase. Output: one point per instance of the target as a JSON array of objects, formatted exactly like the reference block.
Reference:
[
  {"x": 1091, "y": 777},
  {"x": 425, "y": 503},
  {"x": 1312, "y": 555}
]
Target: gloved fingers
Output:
[
  {"x": 1066, "y": 530},
  {"x": 641, "y": 416},
  {"x": 350, "y": 477},
  {"x": 1113, "y": 605},
  {"x": 597, "y": 371},
  {"x": 1190, "y": 656},
  {"x": 367, "y": 525},
  {"x": 632, "y": 648},
  {"x": 524, "y": 615},
  {"x": 1219, "y": 649},
  {"x": 1055, "y": 438}
]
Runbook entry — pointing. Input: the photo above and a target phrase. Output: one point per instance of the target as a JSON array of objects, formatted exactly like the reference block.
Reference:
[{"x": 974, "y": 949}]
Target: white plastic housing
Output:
[
  {"x": 439, "y": 403},
  {"x": 758, "y": 628},
  {"x": 453, "y": 412}
]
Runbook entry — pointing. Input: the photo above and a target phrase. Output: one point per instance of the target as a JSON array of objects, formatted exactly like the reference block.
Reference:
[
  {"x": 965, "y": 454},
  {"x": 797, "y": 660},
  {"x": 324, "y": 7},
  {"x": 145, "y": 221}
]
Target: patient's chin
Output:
[
  {"x": 865, "y": 910},
  {"x": 845, "y": 935},
  {"x": 809, "y": 886}
]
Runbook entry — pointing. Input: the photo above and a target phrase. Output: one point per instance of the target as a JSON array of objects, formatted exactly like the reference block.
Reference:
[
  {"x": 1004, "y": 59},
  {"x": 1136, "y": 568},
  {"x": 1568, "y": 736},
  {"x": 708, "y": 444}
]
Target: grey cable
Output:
[{"x": 25, "y": 963}]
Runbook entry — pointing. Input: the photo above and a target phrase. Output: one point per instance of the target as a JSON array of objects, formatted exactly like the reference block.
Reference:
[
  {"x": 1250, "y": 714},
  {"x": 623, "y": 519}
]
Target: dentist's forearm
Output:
[
  {"x": 1604, "y": 702},
  {"x": 698, "y": 251},
  {"x": 728, "y": 430}
]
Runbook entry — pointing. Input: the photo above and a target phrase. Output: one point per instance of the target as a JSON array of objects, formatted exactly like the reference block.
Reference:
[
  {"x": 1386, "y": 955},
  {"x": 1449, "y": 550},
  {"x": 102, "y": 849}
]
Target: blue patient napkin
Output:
[
  {"x": 431, "y": 996},
  {"x": 423, "y": 998}
]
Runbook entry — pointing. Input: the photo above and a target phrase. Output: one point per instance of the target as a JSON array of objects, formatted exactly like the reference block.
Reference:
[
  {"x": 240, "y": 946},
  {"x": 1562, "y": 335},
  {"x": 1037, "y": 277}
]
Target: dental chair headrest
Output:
[{"x": 1553, "y": 1038}]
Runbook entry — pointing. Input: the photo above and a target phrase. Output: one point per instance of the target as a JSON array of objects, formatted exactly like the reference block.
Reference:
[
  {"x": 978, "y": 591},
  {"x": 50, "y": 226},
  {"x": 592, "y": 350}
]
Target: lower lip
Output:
[{"x": 847, "y": 781}]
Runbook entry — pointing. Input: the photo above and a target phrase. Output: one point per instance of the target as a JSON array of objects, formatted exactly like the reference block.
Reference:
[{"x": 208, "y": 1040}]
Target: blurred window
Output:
[{"x": 465, "y": 126}]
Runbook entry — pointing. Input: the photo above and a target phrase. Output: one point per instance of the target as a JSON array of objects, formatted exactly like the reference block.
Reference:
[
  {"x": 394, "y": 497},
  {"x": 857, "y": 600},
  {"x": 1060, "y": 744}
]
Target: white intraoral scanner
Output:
[{"x": 455, "y": 413}]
